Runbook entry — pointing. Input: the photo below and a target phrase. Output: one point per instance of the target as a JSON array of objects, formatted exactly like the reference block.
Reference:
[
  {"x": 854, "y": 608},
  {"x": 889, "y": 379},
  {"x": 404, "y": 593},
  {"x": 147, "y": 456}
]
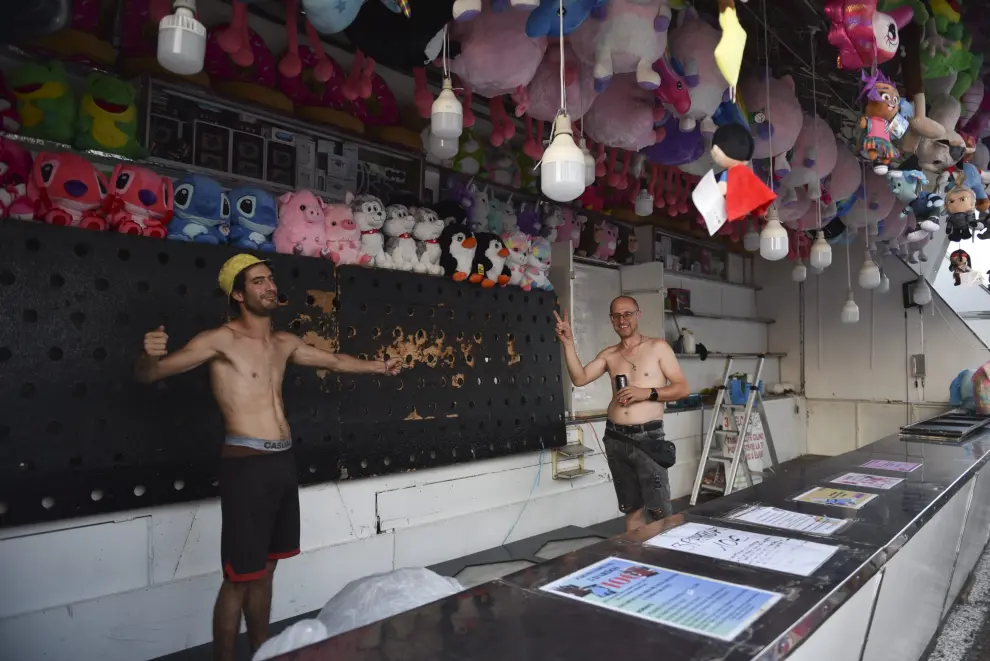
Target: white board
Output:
[{"x": 592, "y": 290}]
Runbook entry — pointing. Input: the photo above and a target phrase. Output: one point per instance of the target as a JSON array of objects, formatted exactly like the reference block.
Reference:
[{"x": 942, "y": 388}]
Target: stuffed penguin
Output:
[
  {"x": 457, "y": 249},
  {"x": 489, "y": 260}
]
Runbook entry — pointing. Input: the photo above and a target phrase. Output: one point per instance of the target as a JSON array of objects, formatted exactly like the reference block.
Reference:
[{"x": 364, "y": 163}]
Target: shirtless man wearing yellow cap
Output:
[{"x": 259, "y": 494}]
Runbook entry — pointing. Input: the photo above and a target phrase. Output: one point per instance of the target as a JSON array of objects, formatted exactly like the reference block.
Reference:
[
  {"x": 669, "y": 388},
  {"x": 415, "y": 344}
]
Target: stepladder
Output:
[{"x": 729, "y": 441}]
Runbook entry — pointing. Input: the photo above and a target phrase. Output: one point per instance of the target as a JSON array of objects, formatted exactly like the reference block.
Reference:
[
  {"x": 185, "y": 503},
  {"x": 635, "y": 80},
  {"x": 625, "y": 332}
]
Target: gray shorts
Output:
[{"x": 640, "y": 480}]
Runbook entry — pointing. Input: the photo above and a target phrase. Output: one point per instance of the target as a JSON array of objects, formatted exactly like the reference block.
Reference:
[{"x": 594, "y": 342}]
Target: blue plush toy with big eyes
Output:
[
  {"x": 332, "y": 16},
  {"x": 255, "y": 216},
  {"x": 201, "y": 211},
  {"x": 544, "y": 21}
]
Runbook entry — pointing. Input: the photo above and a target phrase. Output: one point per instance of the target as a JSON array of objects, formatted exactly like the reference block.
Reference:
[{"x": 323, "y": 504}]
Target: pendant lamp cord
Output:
[
  {"x": 563, "y": 87},
  {"x": 814, "y": 101},
  {"x": 446, "y": 40},
  {"x": 766, "y": 57}
]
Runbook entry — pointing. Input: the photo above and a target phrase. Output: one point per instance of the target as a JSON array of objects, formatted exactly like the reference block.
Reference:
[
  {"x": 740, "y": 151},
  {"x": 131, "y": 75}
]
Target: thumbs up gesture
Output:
[{"x": 155, "y": 343}]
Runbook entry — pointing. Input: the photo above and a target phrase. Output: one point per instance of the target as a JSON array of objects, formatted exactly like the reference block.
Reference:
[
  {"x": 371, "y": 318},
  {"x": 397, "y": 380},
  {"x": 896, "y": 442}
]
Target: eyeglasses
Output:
[{"x": 622, "y": 316}]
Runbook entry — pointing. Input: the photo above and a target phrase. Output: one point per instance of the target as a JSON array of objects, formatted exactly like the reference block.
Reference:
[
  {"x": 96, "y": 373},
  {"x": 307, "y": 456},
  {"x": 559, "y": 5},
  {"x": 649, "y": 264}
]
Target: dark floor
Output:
[{"x": 524, "y": 550}]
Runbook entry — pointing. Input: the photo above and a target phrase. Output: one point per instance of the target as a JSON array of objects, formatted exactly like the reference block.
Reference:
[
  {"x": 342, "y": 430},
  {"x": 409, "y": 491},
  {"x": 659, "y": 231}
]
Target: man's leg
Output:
[
  {"x": 635, "y": 520},
  {"x": 227, "y": 619},
  {"x": 625, "y": 481},
  {"x": 258, "y": 607}
]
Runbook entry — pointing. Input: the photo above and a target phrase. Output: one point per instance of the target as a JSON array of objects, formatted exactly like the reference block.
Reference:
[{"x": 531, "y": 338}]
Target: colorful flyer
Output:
[
  {"x": 775, "y": 517},
  {"x": 864, "y": 481},
  {"x": 792, "y": 556},
  {"x": 683, "y": 601},
  {"x": 896, "y": 466},
  {"x": 836, "y": 497}
]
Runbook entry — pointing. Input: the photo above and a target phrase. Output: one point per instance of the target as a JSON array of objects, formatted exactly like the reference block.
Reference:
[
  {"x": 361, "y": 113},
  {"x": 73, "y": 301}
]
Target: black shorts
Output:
[
  {"x": 635, "y": 453},
  {"x": 259, "y": 501}
]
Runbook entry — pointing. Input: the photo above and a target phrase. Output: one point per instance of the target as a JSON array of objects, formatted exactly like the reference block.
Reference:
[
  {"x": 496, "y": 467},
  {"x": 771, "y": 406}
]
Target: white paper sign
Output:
[
  {"x": 870, "y": 481},
  {"x": 775, "y": 517},
  {"x": 710, "y": 202},
  {"x": 793, "y": 556}
]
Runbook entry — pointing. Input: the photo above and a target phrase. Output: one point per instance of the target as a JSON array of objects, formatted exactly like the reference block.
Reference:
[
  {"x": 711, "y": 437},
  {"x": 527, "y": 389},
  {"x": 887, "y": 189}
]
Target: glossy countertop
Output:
[{"x": 512, "y": 620}]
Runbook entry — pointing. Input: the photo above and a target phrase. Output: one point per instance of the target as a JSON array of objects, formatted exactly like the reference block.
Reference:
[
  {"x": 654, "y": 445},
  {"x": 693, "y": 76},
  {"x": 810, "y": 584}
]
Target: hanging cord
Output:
[
  {"x": 563, "y": 87},
  {"x": 849, "y": 278},
  {"x": 814, "y": 102},
  {"x": 766, "y": 57},
  {"x": 446, "y": 40},
  {"x": 866, "y": 204}
]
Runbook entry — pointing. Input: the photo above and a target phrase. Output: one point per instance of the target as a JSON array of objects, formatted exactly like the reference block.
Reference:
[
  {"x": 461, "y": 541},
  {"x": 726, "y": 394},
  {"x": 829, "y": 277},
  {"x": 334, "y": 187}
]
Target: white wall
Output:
[{"x": 859, "y": 384}]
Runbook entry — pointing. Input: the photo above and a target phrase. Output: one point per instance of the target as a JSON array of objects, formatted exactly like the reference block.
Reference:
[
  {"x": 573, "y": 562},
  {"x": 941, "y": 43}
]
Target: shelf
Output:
[
  {"x": 688, "y": 275},
  {"x": 723, "y": 317},
  {"x": 719, "y": 354}
]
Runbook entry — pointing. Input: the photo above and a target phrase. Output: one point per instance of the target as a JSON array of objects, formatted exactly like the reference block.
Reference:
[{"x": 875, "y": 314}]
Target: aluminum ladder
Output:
[{"x": 721, "y": 408}]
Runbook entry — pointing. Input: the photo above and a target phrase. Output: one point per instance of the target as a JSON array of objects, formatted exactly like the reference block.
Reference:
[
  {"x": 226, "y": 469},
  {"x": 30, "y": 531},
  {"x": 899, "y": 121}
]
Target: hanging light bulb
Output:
[
  {"x": 443, "y": 148},
  {"x": 869, "y": 273},
  {"x": 800, "y": 272},
  {"x": 562, "y": 170},
  {"x": 644, "y": 203},
  {"x": 921, "y": 294},
  {"x": 821, "y": 253},
  {"x": 447, "y": 116},
  {"x": 589, "y": 162},
  {"x": 751, "y": 239},
  {"x": 884, "y": 283},
  {"x": 850, "y": 311},
  {"x": 773, "y": 238}
]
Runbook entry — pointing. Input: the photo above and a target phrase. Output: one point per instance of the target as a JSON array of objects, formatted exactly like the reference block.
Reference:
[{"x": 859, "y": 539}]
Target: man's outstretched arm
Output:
[
  {"x": 309, "y": 356},
  {"x": 157, "y": 363},
  {"x": 581, "y": 375}
]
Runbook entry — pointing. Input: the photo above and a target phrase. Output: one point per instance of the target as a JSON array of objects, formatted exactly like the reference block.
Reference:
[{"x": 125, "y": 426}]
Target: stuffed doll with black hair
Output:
[
  {"x": 959, "y": 263},
  {"x": 745, "y": 194}
]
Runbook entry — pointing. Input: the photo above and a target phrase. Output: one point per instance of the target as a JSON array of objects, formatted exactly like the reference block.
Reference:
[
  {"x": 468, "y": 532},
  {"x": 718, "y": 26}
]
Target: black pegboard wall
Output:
[{"x": 79, "y": 436}]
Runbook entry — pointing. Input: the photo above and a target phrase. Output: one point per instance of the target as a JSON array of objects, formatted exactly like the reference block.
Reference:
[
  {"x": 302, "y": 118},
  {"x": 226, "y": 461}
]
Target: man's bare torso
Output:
[
  {"x": 246, "y": 377},
  {"x": 641, "y": 366}
]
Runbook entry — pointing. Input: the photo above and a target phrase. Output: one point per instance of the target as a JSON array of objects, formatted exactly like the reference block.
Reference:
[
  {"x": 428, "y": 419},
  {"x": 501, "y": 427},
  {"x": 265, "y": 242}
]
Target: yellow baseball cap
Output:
[{"x": 233, "y": 266}]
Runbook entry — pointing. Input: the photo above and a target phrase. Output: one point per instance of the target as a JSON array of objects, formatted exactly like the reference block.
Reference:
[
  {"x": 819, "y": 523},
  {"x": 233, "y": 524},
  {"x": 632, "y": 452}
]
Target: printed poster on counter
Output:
[
  {"x": 896, "y": 466},
  {"x": 774, "y": 517},
  {"x": 865, "y": 481},
  {"x": 791, "y": 556},
  {"x": 683, "y": 601},
  {"x": 835, "y": 497}
]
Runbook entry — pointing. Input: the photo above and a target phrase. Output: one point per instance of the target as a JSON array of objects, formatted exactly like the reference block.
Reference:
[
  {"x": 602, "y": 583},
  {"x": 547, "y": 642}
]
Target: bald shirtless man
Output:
[
  {"x": 638, "y": 454},
  {"x": 259, "y": 492}
]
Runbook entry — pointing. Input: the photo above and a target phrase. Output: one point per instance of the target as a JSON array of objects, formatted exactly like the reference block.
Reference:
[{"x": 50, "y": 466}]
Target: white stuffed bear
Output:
[
  {"x": 427, "y": 232},
  {"x": 369, "y": 214},
  {"x": 401, "y": 246}
]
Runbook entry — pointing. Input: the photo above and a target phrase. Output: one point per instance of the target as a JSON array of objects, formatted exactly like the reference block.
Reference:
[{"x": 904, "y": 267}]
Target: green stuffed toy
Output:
[
  {"x": 470, "y": 159},
  {"x": 44, "y": 101},
  {"x": 107, "y": 118}
]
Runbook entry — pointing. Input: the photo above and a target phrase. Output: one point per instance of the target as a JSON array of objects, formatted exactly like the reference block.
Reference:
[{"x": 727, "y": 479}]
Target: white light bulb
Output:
[
  {"x": 589, "y": 164},
  {"x": 800, "y": 272},
  {"x": 444, "y": 148},
  {"x": 921, "y": 294},
  {"x": 562, "y": 170},
  {"x": 447, "y": 116},
  {"x": 869, "y": 274},
  {"x": 821, "y": 253},
  {"x": 884, "y": 284},
  {"x": 773, "y": 238},
  {"x": 751, "y": 240},
  {"x": 182, "y": 40},
  {"x": 644, "y": 203},
  {"x": 850, "y": 311}
]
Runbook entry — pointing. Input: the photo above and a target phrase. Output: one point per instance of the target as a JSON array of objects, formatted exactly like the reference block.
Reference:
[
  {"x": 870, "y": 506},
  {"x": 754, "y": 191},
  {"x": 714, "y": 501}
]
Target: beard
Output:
[{"x": 260, "y": 307}]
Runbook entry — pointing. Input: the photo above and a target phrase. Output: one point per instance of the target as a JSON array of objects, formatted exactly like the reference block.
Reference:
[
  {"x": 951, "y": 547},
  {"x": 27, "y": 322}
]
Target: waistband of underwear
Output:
[
  {"x": 259, "y": 444},
  {"x": 634, "y": 429}
]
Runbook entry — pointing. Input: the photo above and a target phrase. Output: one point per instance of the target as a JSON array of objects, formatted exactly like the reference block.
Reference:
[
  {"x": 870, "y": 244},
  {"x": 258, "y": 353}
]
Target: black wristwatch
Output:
[{"x": 654, "y": 395}]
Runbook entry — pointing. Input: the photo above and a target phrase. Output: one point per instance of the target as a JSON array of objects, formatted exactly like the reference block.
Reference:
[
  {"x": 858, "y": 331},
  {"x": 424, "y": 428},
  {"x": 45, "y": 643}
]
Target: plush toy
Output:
[
  {"x": 45, "y": 101},
  {"x": 776, "y": 117},
  {"x": 606, "y": 236},
  {"x": 936, "y": 156},
  {"x": 201, "y": 211},
  {"x": 745, "y": 194},
  {"x": 693, "y": 44},
  {"x": 847, "y": 175},
  {"x": 401, "y": 246},
  {"x": 107, "y": 119},
  {"x": 813, "y": 158},
  {"x": 959, "y": 263},
  {"x": 553, "y": 218},
  {"x": 872, "y": 204},
  {"x": 674, "y": 92},
  {"x": 882, "y": 107},
  {"x": 470, "y": 156},
  {"x": 465, "y": 10},
  {"x": 489, "y": 261},
  {"x": 254, "y": 218},
  {"x": 538, "y": 264},
  {"x": 427, "y": 230},
  {"x": 378, "y": 107},
  {"x": 458, "y": 246},
  {"x": 908, "y": 187},
  {"x": 67, "y": 191},
  {"x": 369, "y": 214},
  {"x": 15, "y": 172},
  {"x": 250, "y": 71},
  {"x": 529, "y": 218},
  {"x": 333, "y": 16},
  {"x": 624, "y": 116},
  {"x": 678, "y": 147},
  {"x": 864, "y": 36},
  {"x": 301, "y": 229},
  {"x": 544, "y": 21},
  {"x": 343, "y": 235},
  {"x": 10, "y": 119},
  {"x": 962, "y": 217},
  {"x": 140, "y": 202},
  {"x": 480, "y": 207},
  {"x": 518, "y": 246}
]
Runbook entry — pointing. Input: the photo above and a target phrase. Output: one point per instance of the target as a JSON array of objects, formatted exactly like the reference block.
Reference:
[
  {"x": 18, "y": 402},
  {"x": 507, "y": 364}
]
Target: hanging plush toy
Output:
[
  {"x": 254, "y": 218},
  {"x": 250, "y": 71},
  {"x": 301, "y": 229},
  {"x": 45, "y": 101},
  {"x": 745, "y": 194},
  {"x": 457, "y": 249},
  {"x": 959, "y": 263},
  {"x": 775, "y": 117},
  {"x": 201, "y": 211},
  {"x": 962, "y": 218},
  {"x": 693, "y": 44},
  {"x": 882, "y": 108},
  {"x": 864, "y": 36},
  {"x": 67, "y": 191},
  {"x": 140, "y": 202},
  {"x": 465, "y": 10},
  {"x": 107, "y": 119}
]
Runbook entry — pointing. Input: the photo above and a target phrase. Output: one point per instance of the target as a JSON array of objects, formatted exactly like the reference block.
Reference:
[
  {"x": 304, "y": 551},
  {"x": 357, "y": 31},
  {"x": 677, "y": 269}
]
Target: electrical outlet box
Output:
[{"x": 918, "y": 370}]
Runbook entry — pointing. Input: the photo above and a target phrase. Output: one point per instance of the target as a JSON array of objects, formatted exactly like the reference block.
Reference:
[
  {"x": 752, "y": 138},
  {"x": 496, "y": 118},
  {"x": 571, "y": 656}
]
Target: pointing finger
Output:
[
  {"x": 557, "y": 317},
  {"x": 565, "y": 316}
]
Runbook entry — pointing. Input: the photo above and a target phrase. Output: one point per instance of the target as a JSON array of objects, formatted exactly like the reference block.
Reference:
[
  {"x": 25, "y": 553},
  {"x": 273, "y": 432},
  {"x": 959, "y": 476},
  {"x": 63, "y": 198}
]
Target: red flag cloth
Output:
[{"x": 746, "y": 194}]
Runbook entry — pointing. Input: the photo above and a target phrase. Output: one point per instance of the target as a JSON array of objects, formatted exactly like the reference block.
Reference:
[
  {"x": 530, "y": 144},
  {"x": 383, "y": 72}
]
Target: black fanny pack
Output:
[{"x": 661, "y": 450}]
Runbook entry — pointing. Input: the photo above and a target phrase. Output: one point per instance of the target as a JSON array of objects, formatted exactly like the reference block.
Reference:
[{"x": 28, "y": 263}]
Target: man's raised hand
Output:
[
  {"x": 563, "y": 329},
  {"x": 156, "y": 343}
]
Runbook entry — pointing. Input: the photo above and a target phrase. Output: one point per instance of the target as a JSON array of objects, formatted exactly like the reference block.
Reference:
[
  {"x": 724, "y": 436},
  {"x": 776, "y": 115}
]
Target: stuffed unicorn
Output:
[{"x": 518, "y": 245}]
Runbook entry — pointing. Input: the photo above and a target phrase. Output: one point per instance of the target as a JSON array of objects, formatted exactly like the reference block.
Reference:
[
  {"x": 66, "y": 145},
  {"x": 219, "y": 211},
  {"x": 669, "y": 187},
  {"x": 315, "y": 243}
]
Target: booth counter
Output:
[{"x": 894, "y": 567}]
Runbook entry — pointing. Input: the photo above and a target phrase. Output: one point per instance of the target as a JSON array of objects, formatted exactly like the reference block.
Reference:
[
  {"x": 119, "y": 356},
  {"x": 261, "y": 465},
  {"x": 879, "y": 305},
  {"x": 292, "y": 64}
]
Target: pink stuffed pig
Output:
[
  {"x": 343, "y": 235},
  {"x": 300, "y": 228},
  {"x": 541, "y": 98},
  {"x": 814, "y": 156},
  {"x": 693, "y": 43},
  {"x": 623, "y": 116}
]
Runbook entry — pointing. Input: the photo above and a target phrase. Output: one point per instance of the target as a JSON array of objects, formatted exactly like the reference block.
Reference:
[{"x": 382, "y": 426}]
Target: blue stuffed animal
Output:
[
  {"x": 255, "y": 216},
  {"x": 332, "y": 16},
  {"x": 201, "y": 211},
  {"x": 544, "y": 22}
]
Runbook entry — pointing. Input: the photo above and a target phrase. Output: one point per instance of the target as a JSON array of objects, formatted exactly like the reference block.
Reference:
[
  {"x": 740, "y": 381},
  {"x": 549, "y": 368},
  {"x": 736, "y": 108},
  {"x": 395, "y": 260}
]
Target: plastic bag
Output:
[
  {"x": 961, "y": 391},
  {"x": 300, "y": 634},
  {"x": 981, "y": 389},
  {"x": 381, "y": 596}
]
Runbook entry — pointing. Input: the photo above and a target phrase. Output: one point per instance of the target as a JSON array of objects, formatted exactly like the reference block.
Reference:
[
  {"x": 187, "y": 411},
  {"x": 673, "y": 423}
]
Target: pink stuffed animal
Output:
[
  {"x": 301, "y": 229},
  {"x": 518, "y": 244},
  {"x": 864, "y": 36},
  {"x": 624, "y": 116},
  {"x": 15, "y": 171},
  {"x": 693, "y": 43},
  {"x": 343, "y": 235},
  {"x": 673, "y": 91},
  {"x": 607, "y": 238},
  {"x": 873, "y": 205},
  {"x": 782, "y": 118},
  {"x": 631, "y": 38},
  {"x": 541, "y": 98},
  {"x": 814, "y": 156},
  {"x": 571, "y": 228},
  {"x": 847, "y": 174},
  {"x": 68, "y": 191}
]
